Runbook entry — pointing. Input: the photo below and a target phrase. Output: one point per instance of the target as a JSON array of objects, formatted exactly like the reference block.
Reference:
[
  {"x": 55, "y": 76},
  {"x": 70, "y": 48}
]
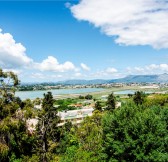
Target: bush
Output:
[
  {"x": 88, "y": 97},
  {"x": 81, "y": 97}
]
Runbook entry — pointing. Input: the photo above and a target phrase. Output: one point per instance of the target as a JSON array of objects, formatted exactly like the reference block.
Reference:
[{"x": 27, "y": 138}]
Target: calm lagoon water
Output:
[
  {"x": 125, "y": 92},
  {"x": 130, "y": 92},
  {"x": 34, "y": 94}
]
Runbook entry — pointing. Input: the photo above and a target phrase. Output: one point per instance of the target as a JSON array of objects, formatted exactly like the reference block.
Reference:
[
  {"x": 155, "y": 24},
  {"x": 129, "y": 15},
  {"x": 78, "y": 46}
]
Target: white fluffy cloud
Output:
[
  {"x": 85, "y": 67},
  {"x": 162, "y": 68},
  {"x": 42, "y": 76},
  {"x": 131, "y": 22},
  {"x": 111, "y": 70},
  {"x": 149, "y": 69},
  {"x": 52, "y": 64},
  {"x": 12, "y": 54}
]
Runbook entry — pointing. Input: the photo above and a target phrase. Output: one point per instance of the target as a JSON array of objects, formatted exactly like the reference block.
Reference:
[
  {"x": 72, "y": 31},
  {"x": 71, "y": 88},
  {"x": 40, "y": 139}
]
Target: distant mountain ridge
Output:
[
  {"x": 83, "y": 82},
  {"x": 161, "y": 78}
]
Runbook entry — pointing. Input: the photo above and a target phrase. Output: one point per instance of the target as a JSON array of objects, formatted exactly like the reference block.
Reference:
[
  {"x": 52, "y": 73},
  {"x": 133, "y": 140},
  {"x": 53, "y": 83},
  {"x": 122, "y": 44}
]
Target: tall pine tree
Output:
[
  {"x": 47, "y": 130},
  {"x": 111, "y": 102}
]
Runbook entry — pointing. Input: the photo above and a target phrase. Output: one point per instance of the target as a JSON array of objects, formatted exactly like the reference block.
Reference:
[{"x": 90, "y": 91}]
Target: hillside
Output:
[{"x": 162, "y": 78}]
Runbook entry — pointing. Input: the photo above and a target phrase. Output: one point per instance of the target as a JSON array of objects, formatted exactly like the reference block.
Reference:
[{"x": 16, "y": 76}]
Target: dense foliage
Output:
[
  {"x": 15, "y": 140},
  {"x": 47, "y": 130},
  {"x": 137, "y": 131},
  {"x": 136, "y": 134},
  {"x": 85, "y": 141}
]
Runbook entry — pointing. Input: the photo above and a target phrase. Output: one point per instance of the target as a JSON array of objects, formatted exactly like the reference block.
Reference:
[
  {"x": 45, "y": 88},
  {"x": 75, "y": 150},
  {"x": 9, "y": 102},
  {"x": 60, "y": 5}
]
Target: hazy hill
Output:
[
  {"x": 162, "y": 78},
  {"x": 83, "y": 82}
]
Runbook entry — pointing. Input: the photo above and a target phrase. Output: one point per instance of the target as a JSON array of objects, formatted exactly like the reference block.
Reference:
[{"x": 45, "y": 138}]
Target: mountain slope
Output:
[
  {"x": 162, "y": 78},
  {"x": 83, "y": 82},
  {"x": 137, "y": 79}
]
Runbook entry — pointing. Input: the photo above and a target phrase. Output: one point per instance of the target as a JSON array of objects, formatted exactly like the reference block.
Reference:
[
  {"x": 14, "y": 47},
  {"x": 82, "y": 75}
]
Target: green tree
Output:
[
  {"x": 37, "y": 101},
  {"x": 111, "y": 102},
  {"x": 8, "y": 83},
  {"x": 65, "y": 139},
  {"x": 98, "y": 106},
  {"x": 133, "y": 133},
  {"x": 86, "y": 142},
  {"x": 81, "y": 97},
  {"x": 158, "y": 100},
  {"x": 88, "y": 97},
  {"x": 47, "y": 130},
  {"x": 14, "y": 139},
  {"x": 130, "y": 95},
  {"x": 139, "y": 98}
]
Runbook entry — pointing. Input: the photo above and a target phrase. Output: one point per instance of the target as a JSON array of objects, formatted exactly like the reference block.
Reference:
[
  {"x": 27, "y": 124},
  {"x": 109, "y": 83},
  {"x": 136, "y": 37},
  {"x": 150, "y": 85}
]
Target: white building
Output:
[{"x": 74, "y": 116}]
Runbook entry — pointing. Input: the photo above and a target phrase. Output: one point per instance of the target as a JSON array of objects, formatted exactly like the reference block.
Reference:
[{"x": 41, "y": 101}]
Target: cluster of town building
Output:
[
  {"x": 73, "y": 116},
  {"x": 106, "y": 85}
]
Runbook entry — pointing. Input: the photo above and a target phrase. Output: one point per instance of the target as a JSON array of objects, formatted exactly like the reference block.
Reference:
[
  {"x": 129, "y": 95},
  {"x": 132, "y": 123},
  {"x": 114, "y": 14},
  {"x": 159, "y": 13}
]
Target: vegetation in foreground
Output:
[{"x": 137, "y": 131}]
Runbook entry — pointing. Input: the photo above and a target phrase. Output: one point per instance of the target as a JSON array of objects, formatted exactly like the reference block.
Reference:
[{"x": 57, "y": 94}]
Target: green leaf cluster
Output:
[{"x": 134, "y": 133}]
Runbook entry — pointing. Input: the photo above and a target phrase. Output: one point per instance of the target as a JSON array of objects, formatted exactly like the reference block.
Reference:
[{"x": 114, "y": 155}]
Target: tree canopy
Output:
[
  {"x": 136, "y": 134},
  {"x": 137, "y": 131},
  {"x": 139, "y": 98},
  {"x": 111, "y": 102}
]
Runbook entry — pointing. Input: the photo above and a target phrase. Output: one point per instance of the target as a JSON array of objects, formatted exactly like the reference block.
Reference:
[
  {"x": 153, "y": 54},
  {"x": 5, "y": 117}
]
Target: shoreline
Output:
[{"x": 96, "y": 94}]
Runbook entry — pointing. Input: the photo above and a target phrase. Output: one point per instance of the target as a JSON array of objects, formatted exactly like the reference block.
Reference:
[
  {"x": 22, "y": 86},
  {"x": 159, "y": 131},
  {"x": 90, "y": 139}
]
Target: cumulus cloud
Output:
[
  {"x": 160, "y": 67},
  {"x": 52, "y": 64},
  {"x": 12, "y": 54},
  {"x": 131, "y": 22},
  {"x": 148, "y": 69},
  {"x": 111, "y": 70},
  {"x": 85, "y": 67}
]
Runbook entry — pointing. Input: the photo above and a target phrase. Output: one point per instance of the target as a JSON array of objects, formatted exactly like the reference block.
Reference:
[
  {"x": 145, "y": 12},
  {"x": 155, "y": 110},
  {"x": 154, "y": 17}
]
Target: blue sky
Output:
[{"x": 60, "y": 40}]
